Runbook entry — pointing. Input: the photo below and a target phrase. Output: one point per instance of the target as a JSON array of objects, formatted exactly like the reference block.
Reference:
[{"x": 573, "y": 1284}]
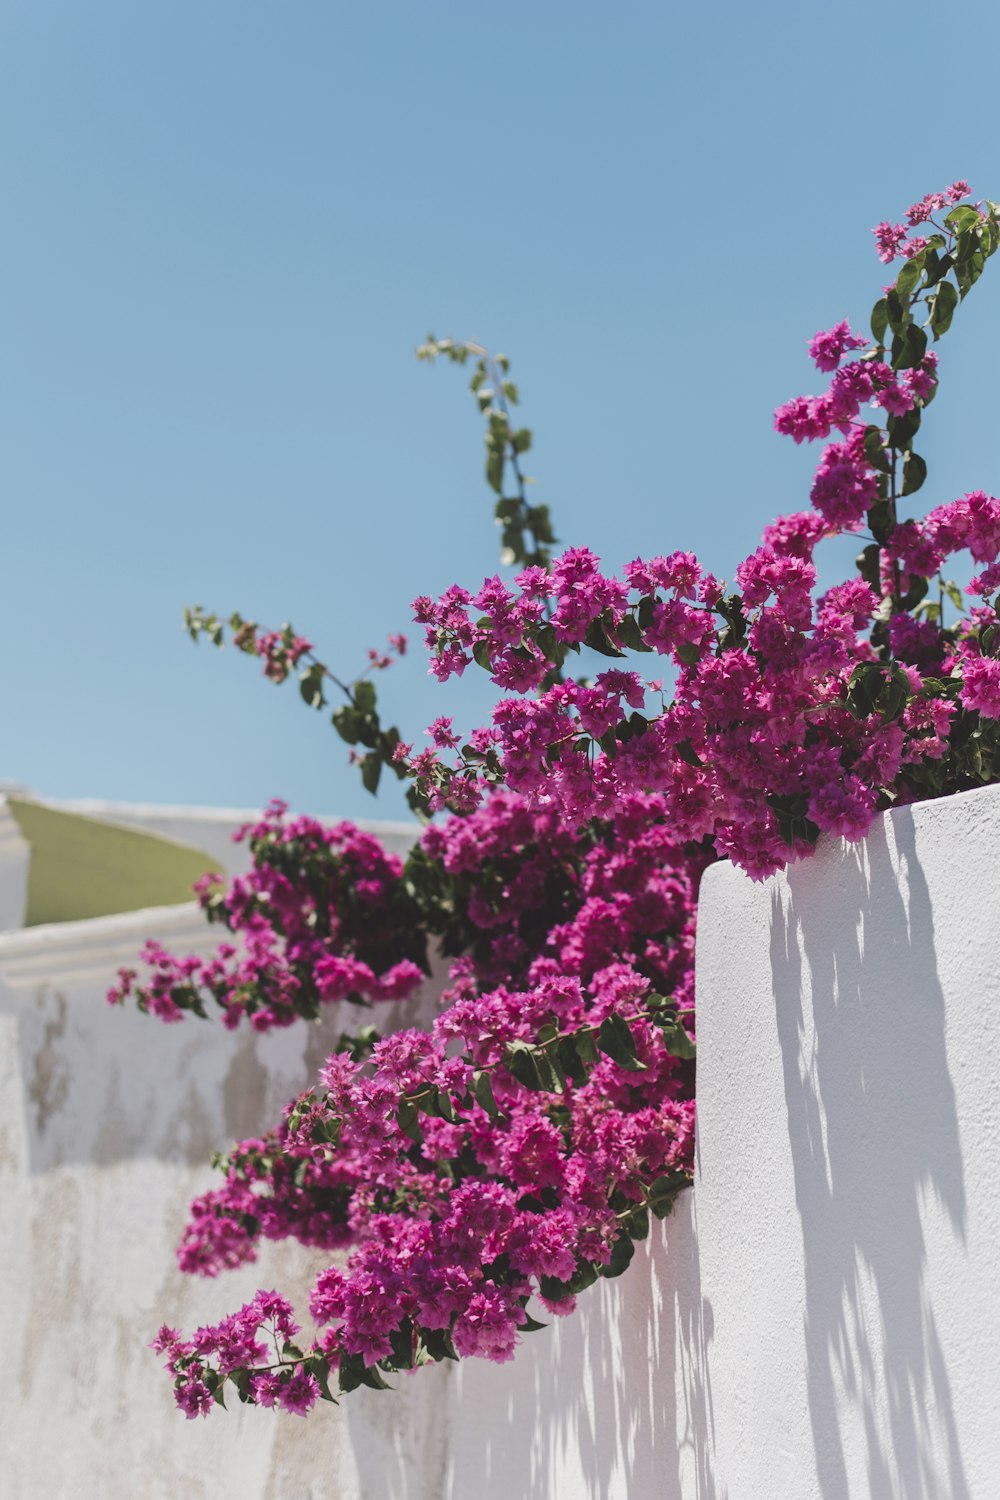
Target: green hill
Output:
[{"x": 81, "y": 867}]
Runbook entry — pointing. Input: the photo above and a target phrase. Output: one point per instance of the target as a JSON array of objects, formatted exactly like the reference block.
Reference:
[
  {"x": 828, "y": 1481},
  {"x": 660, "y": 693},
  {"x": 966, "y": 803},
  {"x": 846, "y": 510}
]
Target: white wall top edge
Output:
[
  {"x": 101, "y": 943},
  {"x": 955, "y": 810}
]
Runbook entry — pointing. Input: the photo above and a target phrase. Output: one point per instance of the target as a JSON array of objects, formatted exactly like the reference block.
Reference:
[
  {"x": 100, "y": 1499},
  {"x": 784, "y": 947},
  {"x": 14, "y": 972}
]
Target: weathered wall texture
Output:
[
  {"x": 107, "y": 1121},
  {"x": 820, "y": 1320}
]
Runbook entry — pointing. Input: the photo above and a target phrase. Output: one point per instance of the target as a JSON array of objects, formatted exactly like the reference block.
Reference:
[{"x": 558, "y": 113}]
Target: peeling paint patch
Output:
[{"x": 48, "y": 1088}]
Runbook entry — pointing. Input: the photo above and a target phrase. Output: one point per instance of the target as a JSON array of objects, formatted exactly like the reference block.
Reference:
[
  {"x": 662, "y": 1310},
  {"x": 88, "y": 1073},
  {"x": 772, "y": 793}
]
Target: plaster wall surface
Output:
[
  {"x": 15, "y": 861},
  {"x": 848, "y": 1192},
  {"x": 107, "y": 1123},
  {"x": 819, "y": 1320}
]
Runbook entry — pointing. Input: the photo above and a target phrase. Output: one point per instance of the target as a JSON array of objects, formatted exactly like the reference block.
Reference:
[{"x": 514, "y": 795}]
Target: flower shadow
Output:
[
  {"x": 874, "y": 1137},
  {"x": 611, "y": 1403}
]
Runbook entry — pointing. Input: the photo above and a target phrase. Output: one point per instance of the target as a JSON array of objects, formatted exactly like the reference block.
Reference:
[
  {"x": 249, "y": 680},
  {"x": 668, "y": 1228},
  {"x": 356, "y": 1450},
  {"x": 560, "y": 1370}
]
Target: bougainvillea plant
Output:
[{"x": 498, "y": 1163}]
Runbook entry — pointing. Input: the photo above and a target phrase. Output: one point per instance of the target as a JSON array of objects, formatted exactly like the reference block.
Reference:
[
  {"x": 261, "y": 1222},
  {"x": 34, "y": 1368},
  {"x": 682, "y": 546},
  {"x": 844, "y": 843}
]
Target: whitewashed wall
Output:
[
  {"x": 849, "y": 1170},
  {"x": 15, "y": 859},
  {"x": 820, "y": 1320},
  {"x": 107, "y": 1122}
]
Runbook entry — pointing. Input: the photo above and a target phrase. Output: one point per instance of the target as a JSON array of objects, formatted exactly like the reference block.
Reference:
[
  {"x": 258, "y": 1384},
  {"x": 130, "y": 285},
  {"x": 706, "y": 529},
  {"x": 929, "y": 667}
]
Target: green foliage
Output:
[{"x": 526, "y": 530}]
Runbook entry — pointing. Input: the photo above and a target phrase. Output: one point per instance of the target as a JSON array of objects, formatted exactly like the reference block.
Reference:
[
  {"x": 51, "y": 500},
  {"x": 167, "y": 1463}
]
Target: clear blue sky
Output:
[{"x": 226, "y": 226}]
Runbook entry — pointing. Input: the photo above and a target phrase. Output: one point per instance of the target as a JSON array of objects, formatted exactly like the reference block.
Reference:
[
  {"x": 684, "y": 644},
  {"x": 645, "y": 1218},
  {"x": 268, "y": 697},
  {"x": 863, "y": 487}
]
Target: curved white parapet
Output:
[
  {"x": 848, "y": 1197},
  {"x": 15, "y": 863},
  {"x": 819, "y": 1320}
]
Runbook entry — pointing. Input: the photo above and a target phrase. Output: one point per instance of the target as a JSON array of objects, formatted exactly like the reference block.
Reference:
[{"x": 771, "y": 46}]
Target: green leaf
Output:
[
  {"x": 401, "y": 1339},
  {"x": 880, "y": 320},
  {"x": 918, "y": 588},
  {"x": 364, "y": 696},
  {"x": 688, "y": 754},
  {"x": 901, "y": 430},
  {"x": 311, "y": 686},
  {"x": 406, "y": 1119},
  {"x": 864, "y": 685},
  {"x": 677, "y": 1041},
  {"x": 936, "y": 266},
  {"x": 621, "y": 1257},
  {"x": 437, "y": 1342},
  {"x": 962, "y": 217},
  {"x": 897, "y": 314},
  {"x": 353, "y": 1372},
  {"x": 943, "y": 309},
  {"x": 868, "y": 564},
  {"x": 586, "y": 1047},
  {"x": 616, "y": 1041},
  {"x": 662, "y": 1195},
  {"x": 874, "y": 450},
  {"x": 494, "y": 469},
  {"x": 347, "y": 721},
  {"x": 371, "y": 772},
  {"x": 909, "y": 348},
  {"x": 319, "y": 1365},
  {"x": 914, "y": 473},
  {"x": 482, "y": 1088},
  {"x": 969, "y": 261},
  {"x": 597, "y": 639},
  {"x": 585, "y": 1275},
  {"x": 880, "y": 520},
  {"x": 445, "y": 1106},
  {"x": 911, "y": 273},
  {"x": 481, "y": 655},
  {"x": 521, "y": 440},
  {"x": 540, "y": 520},
  {"x": 520, "y": 1061},
  {"x": 630, "y": 635}
]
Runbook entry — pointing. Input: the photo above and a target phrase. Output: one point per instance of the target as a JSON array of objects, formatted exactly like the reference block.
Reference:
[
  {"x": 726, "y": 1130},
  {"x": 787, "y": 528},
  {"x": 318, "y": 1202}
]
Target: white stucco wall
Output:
[
  {"x": 820, "y": 1320},
  {"x": 15, "y": 860},
  {"x": 107, "y": 1122},
  {"x": 848, "y": 1197}
]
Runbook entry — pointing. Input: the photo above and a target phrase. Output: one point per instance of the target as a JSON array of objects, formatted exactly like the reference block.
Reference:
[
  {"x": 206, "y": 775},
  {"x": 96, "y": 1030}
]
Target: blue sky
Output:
[{"x": 227, "y": 225}]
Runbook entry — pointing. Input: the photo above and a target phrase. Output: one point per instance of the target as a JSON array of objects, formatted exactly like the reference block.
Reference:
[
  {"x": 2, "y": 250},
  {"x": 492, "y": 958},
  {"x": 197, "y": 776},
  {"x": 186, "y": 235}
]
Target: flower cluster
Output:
[
  {"x": 508, "y": 1156},
  {"x": 893, "y": 240},
  {"x": 322, "y": 916},
  {"x": 235, "y": 1343},
  {"x": 793, "y": 715},
  {"x": 514, "y": 1150}
]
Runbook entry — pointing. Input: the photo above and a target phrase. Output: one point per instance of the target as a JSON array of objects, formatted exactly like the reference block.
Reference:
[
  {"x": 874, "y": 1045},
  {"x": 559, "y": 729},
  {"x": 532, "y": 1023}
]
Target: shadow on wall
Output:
[
  {"x": 610, "y": 1403},
  {"x": 874, "y": 1135}
]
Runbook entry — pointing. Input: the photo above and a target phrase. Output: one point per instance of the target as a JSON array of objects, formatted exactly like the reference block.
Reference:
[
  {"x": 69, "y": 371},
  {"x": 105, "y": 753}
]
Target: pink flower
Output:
[
  {"x": 981, "y": 685},
  {"x": 888, "y": 239},
  {"x": 299, "y": 1393},
  {"x": 828, "y": 348}
]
